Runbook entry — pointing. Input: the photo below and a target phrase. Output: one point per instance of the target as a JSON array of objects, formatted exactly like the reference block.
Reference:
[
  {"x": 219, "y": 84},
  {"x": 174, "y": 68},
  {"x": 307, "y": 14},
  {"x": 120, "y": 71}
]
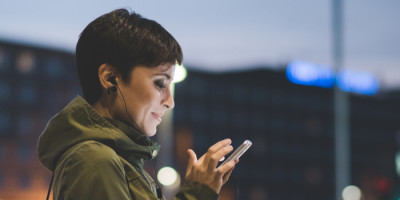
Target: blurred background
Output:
[{"x": 283, "y": 74}]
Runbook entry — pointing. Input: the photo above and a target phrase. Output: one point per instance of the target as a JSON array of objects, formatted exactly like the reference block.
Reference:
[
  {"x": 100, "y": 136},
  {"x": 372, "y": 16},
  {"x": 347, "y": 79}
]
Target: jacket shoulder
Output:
[
  {"x": 90, "y": 170},
  {"x": 92, "y": 153}
]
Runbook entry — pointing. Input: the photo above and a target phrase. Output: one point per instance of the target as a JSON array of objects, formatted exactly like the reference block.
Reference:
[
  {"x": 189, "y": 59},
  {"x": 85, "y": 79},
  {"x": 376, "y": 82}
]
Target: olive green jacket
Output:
[{"x": 97, "y": 158}]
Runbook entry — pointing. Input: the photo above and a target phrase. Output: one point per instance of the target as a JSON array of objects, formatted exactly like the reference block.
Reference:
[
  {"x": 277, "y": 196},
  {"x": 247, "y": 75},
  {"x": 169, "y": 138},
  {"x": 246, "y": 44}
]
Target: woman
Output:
[{"x": 96, "y": 145}]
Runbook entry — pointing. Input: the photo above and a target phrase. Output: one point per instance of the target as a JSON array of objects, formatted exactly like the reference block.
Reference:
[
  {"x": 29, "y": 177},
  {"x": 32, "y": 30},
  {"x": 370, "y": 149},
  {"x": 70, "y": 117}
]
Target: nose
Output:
[{"x": 168, "y": 100}]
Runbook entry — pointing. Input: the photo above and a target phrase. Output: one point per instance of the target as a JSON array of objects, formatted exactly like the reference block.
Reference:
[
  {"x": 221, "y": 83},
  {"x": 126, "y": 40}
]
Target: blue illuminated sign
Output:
[
  {"x": 357, "y": 82},
  {"x": 304, "y": 73}
]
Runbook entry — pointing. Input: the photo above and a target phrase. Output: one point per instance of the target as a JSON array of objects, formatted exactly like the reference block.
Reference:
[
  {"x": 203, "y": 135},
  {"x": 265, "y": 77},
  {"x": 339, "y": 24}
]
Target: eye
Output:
[{"x": 160, "y": 84}]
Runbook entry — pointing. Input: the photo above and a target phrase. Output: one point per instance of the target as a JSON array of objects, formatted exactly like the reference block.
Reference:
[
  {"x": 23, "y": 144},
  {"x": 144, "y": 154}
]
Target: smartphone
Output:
[{"x": 239, "y": 151}]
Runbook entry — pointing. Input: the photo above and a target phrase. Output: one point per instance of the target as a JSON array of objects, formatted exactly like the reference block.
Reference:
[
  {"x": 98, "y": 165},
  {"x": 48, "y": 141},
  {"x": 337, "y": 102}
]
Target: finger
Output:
[
  {"x": 214, "y": 148},
  {"x": 191, "y": 161},
  {"x": 227, "y": 175},
  {"x": 220, "y": 145},
  {"x": 223, "y": 169},
  {"x": 192, "y": 155},
  {"x": 213, "y": 162},
  {"x": 201, "y": 159}
]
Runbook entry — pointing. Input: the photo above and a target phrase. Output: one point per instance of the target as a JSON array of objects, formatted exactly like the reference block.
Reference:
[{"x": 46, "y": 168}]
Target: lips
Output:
[{"x": 157, "y": 116}]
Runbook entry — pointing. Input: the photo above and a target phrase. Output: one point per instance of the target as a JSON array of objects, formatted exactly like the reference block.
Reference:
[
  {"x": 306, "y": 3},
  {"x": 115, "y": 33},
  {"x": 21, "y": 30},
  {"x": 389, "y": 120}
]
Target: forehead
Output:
[
  {"x": 167, "y": 70},
  {"x": 166, "y": 67}
]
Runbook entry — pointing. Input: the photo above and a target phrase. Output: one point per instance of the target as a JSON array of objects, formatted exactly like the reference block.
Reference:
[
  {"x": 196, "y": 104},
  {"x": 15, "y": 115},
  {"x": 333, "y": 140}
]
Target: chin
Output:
[{"x": 151, "y": 133}]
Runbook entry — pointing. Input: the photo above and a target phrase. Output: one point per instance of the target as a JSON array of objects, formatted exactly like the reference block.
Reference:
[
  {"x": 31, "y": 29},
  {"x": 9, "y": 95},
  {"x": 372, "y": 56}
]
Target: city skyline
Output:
[{"x": 226, "y": 35}]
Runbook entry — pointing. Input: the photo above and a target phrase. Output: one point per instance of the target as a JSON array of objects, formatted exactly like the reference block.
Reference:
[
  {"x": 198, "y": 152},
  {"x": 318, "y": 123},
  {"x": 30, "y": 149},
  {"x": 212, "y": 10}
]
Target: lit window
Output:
[{"x": 25, "y": 62}]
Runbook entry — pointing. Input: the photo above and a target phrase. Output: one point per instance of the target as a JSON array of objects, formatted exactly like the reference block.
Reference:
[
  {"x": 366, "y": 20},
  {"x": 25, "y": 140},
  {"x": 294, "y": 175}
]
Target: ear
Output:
[{"x": 105, "y": 72}]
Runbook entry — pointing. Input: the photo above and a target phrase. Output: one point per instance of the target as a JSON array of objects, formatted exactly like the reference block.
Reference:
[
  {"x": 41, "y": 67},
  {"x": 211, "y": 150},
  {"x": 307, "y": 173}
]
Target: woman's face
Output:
[{"x": 147, "y": 96}]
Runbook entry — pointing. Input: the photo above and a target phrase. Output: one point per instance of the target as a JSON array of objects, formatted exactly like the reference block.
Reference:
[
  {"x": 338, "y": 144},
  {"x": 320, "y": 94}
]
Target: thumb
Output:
[{"x": 191, "y": 161}]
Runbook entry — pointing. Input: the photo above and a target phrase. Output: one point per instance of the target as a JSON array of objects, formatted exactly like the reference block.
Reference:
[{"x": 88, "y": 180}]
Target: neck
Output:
[{"x": 102, "y": 108}]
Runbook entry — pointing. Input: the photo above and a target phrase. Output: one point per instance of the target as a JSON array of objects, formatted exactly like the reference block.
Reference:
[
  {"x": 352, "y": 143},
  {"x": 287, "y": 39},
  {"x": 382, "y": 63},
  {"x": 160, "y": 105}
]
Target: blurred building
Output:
[
  {"x": 292, "y": 130},
  {"x": 291, "y": 127},
  {"x": 35, "y": 83}
]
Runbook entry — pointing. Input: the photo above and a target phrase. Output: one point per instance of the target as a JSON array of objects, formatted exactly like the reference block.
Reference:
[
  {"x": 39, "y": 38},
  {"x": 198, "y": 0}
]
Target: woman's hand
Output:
[{"x": 205, "y": 169}]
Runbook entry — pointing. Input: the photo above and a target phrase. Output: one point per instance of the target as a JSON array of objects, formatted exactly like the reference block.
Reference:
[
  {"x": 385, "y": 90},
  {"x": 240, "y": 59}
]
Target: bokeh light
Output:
[
  {"x": 180, "y": 73},
  {"x": 167, "y": 176},
  {"x": 351, "y": 192}
]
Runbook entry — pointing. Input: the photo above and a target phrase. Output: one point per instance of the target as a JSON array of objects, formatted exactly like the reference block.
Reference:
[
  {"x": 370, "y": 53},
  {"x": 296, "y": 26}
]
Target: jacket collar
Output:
[
  {"x": 145, "y": 148},
  {"x": 79, "y": 122}
]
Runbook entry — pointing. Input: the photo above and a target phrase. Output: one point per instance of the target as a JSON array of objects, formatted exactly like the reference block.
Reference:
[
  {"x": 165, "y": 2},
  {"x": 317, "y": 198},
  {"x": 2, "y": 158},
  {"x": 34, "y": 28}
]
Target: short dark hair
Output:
[{"x": 123, "y": 40}]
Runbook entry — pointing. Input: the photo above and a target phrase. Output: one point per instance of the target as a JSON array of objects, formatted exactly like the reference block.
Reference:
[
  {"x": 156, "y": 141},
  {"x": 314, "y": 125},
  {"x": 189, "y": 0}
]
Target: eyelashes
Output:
[{"x": 160, "y": 84}]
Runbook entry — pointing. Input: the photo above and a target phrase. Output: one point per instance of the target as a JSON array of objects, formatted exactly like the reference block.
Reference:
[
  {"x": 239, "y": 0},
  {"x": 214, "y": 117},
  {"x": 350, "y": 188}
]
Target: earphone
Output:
[{"x": 113, "y": 89}]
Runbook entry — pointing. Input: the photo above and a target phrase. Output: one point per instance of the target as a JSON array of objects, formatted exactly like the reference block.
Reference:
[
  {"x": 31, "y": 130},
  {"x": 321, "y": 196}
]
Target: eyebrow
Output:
[{"x": 164, "y": 74}]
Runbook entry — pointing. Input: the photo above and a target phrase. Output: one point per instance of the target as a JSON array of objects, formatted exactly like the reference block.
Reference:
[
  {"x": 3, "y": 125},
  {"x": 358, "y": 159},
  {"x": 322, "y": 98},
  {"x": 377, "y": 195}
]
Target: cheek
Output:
[
  {"x": 145, "y": 103},
  {"x": 149, "y": 101}
]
